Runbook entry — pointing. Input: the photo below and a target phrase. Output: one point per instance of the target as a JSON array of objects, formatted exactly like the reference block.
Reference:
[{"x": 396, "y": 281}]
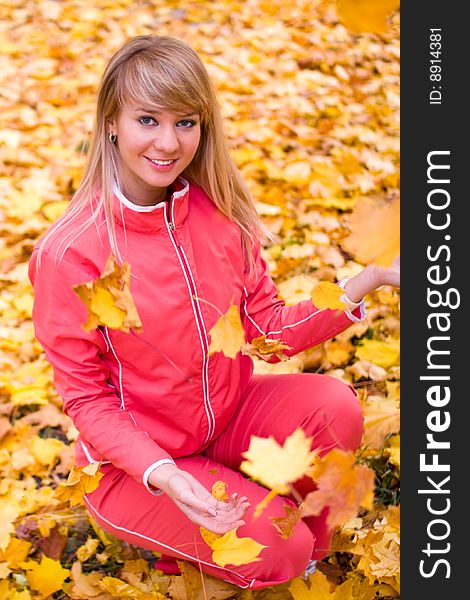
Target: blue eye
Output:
[
  {"x": 188, "y": 122},
  {"x": 140, "y": 119}
]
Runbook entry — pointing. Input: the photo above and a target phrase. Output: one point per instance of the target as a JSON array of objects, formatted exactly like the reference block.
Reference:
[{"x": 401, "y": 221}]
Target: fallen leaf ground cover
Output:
[{"x": 311, "y": 111}]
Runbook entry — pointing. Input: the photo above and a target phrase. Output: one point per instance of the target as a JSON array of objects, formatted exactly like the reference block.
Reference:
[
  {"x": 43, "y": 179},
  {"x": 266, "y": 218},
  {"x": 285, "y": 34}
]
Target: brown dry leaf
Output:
[
  {"x": 265, "y": 348},
  {"x": 118, "y": 588},
  {"x": 362, "y": 16},
  {"x": 328, "y": 295},
  {"x": 381, "y": 417},
  {"x": 85, "y": 586},
  {"x": 109, "y": 300},
  {"x": 201, "y": 587},
  {"x": 53, "y": 544},
  {"x": 375, "y": 232},
  {"x": 134, "y": 571},
  {"x": 227, "y": 335},
  {"x": 364, "y": 369},
  {"x": 286, "y": 525},
  {"x": 343, "y": 486},
  {"x": 5, "y": 427},
  {"x": 388, "y": 560}
]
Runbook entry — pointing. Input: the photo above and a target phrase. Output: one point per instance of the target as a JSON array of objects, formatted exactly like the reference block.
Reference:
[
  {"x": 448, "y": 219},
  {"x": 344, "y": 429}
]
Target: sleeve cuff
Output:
[
  {"x": 145, "y": 478},
  {"x": 359, "y": 308}
]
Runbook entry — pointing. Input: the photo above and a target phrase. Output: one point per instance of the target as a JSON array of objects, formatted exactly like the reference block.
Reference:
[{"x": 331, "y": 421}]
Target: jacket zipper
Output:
[{"x": 198, "y": 317}]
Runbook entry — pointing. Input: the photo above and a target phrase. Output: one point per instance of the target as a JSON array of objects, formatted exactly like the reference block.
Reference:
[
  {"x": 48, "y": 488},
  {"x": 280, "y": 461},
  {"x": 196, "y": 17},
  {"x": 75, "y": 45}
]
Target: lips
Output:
[{"x": 161, "y": 161}]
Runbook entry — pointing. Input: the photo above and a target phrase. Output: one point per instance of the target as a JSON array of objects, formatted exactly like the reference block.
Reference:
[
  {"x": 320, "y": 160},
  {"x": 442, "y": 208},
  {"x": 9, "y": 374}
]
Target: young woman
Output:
[{"x": 161, "y": 192}]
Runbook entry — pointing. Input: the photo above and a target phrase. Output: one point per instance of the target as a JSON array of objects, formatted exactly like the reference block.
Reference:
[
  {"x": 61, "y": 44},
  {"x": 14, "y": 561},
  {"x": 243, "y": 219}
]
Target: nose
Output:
[{"x": 166, "y": 140}]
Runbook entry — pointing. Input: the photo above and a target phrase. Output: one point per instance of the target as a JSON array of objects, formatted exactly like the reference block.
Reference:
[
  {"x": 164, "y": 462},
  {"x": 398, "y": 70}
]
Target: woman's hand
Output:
[
  {"x": 371, "y": 278},
  {"x": 197, "y": 503}
]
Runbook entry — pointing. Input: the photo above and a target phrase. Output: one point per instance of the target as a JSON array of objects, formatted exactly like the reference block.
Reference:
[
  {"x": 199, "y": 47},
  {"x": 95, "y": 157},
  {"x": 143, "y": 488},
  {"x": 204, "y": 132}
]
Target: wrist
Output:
[
  {"x": 363, "y": 283},
  {"x": 160, "y": 476}
]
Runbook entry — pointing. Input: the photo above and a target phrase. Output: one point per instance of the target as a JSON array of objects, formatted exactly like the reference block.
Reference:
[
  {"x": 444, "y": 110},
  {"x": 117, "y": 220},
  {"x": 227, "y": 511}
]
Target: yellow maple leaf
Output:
[
  {"x": 327, "y": 295},
  {"x": 393, "y": 450},
  {"x": 286, "y": 524},
  {"x": 363, "y": 16},
  {"x": 277, "y": 466},
  {"x": 45, "y": 577},
  {"x": 381, "y": 417},
  {"x": 81, "y": 480},
  {"x": 10, "y": 511},
  {"x": 229, "y": 549},
  {"x": 109, "y": 300},
  {"x": 319, "y": 588},
  {"x": 227, "y": 335},
  {"x": 338, "y": 352},
  {"x": 45, "y": 450},
  {"x": 342, "y": 486},
  {"x": 384, "y": 354},
  {"x": 381, "y": 560},
  {"x": 375, "y": 232},
  {"x": 265, "y": 348},
  {"x": 15, "y": 553},
  {"x": 209, "y": 536},
  {"x": 120, "y": 589},
  {"x": 298, "y": 173},
  {"x": 264, "y": 503},
  {"x": 87, "y": 549}
]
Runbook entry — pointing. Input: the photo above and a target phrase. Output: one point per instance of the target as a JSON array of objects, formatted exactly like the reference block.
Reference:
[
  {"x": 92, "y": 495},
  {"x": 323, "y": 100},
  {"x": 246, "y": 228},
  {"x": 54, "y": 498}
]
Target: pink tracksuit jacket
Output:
[{"x": 138, "y": 399}]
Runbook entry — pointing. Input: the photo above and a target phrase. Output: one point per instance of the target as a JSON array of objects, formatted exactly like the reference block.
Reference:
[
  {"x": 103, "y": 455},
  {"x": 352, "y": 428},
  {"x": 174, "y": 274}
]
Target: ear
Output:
[{"x": 110, "y": 126}]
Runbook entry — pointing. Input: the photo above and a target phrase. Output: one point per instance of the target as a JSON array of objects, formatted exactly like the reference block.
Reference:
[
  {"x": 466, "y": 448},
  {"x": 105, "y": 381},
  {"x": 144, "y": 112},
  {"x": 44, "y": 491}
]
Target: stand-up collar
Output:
[{"x": 152, "y": 218}]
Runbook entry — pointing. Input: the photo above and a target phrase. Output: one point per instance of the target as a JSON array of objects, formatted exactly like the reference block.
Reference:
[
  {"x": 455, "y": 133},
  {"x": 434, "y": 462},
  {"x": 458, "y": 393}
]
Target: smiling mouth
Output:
[{"x": 157, "y": 161}]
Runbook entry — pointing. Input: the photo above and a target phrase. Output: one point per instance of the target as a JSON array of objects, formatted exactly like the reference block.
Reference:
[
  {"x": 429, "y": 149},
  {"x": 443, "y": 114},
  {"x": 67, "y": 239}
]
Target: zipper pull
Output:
[{"x": 172, "y": 228}]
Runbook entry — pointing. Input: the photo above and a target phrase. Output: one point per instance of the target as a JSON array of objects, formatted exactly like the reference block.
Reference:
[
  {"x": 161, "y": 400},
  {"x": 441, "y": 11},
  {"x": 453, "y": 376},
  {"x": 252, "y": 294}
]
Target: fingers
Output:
[
  {"x": 192, "y": 501},
  {"x": 198, "y": 504},
  {"x": 229, "y": 517}
]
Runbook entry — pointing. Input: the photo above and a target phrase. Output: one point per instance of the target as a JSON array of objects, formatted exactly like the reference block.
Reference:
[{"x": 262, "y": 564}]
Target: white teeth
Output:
[{"x": 161, "y": 162}]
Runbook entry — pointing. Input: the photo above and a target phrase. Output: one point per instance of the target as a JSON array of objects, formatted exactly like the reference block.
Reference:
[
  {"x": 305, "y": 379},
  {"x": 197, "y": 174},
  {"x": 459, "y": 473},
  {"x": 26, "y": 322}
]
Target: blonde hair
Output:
[{"x": 158, "y": 72}]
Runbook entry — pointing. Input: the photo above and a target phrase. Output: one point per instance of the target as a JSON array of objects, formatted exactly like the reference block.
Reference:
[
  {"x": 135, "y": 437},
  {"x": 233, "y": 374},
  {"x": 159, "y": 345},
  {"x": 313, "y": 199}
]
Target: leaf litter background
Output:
[{"x": 311, "y": 111}]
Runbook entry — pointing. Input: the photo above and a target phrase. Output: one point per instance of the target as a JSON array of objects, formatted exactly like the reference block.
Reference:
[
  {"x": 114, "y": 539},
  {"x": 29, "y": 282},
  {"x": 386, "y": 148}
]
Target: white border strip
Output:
[
  {"x": 206, "y": 400},
  {"x": 89, "y": 456},
  {"x": 152, "y": 467}
]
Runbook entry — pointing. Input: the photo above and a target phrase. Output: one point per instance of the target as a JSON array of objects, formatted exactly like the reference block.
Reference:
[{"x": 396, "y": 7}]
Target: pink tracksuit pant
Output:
[{"x": 272, "y": 405}]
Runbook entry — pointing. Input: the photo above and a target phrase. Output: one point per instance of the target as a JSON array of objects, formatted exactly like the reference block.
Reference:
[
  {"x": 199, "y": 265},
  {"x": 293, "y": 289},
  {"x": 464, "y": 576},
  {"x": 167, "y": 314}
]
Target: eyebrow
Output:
[{"x": 159, "y": 112}]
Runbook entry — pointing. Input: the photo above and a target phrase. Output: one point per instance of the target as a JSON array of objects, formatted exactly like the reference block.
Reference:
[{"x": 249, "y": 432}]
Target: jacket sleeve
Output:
[
  {"x": 80, "y": 373},
  {"x": 302, "y": 325}
]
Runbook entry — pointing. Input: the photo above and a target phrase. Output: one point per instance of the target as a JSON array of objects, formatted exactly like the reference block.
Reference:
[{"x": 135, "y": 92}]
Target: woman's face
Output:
[{"x": 154, "y": 148}]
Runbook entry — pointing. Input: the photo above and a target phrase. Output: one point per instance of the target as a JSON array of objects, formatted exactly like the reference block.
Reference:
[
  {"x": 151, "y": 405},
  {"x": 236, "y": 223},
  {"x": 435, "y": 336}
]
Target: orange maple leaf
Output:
[
  {"x": 265, "y": 348},
  {"x": 375, "y": 232},
  {"x": 343, "y": 487},
  {"x": 108, "y": 299},
  {"x": 286, "y": 524}
]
